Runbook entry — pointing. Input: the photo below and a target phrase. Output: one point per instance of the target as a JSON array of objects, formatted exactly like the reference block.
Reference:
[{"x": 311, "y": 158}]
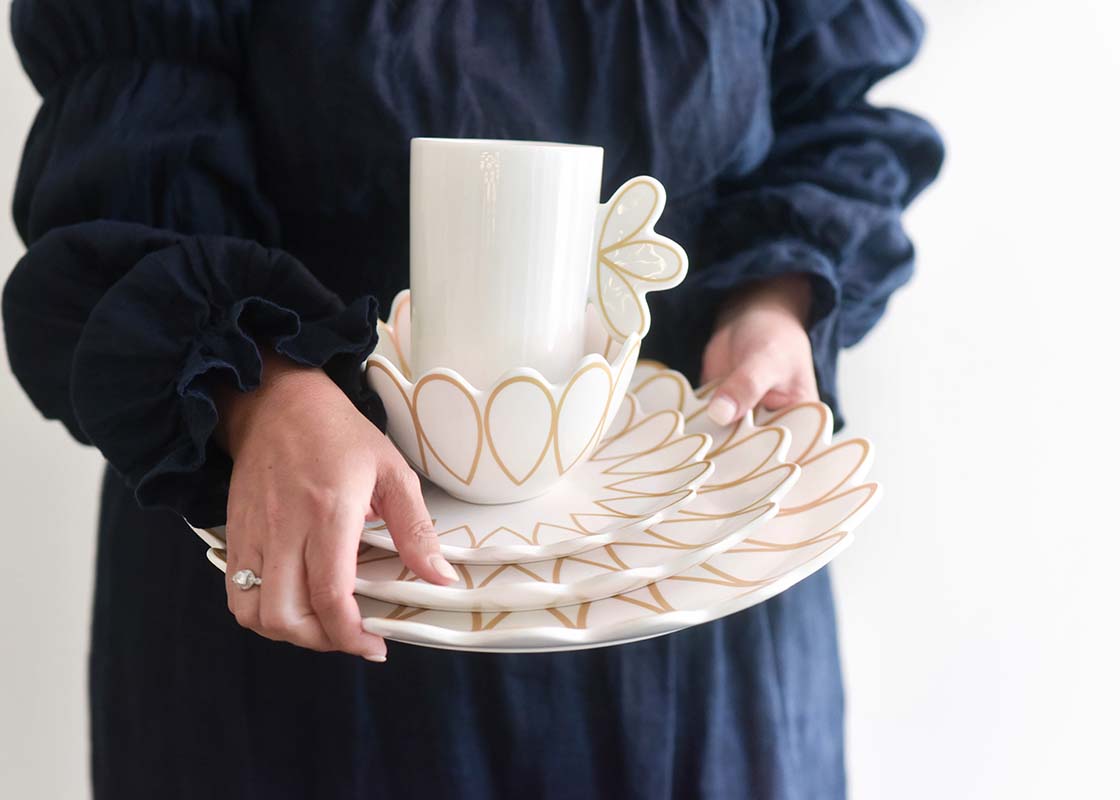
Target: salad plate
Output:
[
  {"x": 754, "y": 477},
  {"x": 647, "y": 467}
]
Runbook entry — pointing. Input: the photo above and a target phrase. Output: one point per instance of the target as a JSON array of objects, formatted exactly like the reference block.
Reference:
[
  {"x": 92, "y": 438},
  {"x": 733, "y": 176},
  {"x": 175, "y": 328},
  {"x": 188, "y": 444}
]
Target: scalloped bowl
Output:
[{"x": 514, "y": 440}]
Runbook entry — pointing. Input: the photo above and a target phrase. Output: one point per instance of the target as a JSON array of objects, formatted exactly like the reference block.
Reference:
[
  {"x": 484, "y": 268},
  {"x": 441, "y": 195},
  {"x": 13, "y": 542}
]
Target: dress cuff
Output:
[{"x": 181, "y": 319}]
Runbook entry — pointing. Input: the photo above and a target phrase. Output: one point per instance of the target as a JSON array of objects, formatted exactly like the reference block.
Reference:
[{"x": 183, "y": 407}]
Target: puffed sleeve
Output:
[
  {"x": 152, "y": 270},
  {"x": 828, "y": 200}
]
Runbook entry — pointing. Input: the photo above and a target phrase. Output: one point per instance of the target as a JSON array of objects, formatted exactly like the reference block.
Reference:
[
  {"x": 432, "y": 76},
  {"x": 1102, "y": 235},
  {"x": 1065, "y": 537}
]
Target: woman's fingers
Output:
[
  {"x": 399, "y": 502},
  {"x": 742, "y": 390},
  {"x": 285, "y": 604},
  {"x": 716, "y": 361},
  {"x": 331, "y": 568},
  {"x": 785, "y": 396}
]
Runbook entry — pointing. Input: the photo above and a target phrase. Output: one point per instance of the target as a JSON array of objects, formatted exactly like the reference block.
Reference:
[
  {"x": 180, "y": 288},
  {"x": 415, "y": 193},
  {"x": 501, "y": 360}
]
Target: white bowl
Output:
[{"x": 509, "y": 442}]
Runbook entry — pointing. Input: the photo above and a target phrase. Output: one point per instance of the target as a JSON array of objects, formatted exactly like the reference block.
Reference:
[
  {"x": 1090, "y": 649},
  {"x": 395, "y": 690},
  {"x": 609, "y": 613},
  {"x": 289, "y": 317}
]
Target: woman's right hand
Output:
[{"x": 308, "y": 470}]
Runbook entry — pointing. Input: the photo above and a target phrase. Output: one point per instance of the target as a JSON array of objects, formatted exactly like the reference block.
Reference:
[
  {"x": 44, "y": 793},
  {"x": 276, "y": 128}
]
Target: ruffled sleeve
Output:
[
  {"x": 828, "y": 200},
  {"x": 152, "y": 268}
]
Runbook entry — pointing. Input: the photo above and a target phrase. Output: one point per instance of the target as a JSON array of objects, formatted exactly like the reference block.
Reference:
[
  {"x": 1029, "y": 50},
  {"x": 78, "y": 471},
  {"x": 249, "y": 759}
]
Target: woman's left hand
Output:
[{"x": 760, "y": 352}]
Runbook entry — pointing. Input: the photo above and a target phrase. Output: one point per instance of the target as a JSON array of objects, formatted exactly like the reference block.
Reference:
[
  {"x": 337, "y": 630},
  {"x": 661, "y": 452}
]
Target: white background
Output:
[{"x": 979, "y": 605}]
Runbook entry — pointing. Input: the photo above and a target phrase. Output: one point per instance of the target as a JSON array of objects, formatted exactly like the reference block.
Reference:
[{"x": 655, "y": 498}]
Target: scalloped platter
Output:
[
  {"x": 646, "y": 467},
  {"x": 815, "y": 523},
  {"x": 753, "y": 479}
]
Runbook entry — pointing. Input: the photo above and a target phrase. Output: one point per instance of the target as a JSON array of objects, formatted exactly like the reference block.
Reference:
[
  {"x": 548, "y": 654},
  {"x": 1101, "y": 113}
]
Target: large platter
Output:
[{"x": 816, "y": 522}]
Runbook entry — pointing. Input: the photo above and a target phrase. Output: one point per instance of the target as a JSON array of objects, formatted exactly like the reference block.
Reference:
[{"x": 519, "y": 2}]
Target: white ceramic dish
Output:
[
  {"x": 781, "y": 552},
  {"x": 631, "y": 259},
  {"x": 510, "y": 442},
  {"x": 647, "y": 468},
  {"x": 501, "y": 245},
  {"x": 509, "y": 244},
  {"x": 778, "y": 552},
  {"x": 754, "y": 477}
]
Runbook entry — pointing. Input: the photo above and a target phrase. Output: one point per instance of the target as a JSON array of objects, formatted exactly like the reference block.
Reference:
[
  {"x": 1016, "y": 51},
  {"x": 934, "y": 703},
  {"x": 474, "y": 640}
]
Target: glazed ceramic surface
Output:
[
  {"x": 753, "y": 477},
  {"x": 816, "y": 521},
  {"x": 501, "y": 235},
  {"x": 647, "y": 467},
  {"x": 632, "y": 260},
  {"x": 510, "y": 442},
  {"x": 508, "y": 244}
]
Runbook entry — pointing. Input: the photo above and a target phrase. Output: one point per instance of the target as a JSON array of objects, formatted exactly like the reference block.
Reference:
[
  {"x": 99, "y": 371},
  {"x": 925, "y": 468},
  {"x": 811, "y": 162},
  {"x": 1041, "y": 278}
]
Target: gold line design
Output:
[
  {"x": 618, "y": 563},
  {"x": 482, "y": 417},
  {"x": 440, "y": 378},
  {"x": 817, "y": 436},
  {"x": 711, "y": 487},
  {"x": 687, "y": 468},
  {"x": 865, "y": 450},
  {"x": 676, "y": 430},
  {"x": 581, "y": 522},
  {"x": 665, "y": 250},
  {"x": 560, "y": 466},
  {"x": 548, "y": 439},
  {"x": 720, "y": 577}
]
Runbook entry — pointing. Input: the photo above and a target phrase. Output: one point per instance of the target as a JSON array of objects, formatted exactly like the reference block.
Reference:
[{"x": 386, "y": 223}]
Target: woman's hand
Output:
[
  {"x": 760, "y": 351},
  {"x": 308, "y": 469}
]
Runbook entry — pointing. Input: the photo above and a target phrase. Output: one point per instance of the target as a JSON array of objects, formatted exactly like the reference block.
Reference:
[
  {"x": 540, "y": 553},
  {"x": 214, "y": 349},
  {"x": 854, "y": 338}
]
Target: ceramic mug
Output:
[
  {"x": 497, "y": 376},
  {"x": 500, "y": 247}
]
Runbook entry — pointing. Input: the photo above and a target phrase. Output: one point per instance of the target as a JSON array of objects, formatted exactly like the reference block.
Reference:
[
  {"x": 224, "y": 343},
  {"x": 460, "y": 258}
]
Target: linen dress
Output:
[{"x": 206, "y": 175}]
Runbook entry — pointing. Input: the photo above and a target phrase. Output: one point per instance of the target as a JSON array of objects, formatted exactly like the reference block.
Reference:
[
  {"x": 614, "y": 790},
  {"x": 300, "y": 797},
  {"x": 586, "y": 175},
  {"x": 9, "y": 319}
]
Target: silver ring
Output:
[{"x": 246, "y": 579}]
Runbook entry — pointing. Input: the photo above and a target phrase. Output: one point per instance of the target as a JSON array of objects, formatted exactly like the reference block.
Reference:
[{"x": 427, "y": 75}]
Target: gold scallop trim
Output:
[
  {"x": 551, "y": 437},
  {"x": 482, "y": 417},
  {"x": 700, "y": 467},
  {"x": 587, "y": 368},
  {"x": 759, "y": 507},
  {"x": 423, "y": 465},
  {"x": 631, "y": 409},
  {"x": 438, "y": 378},
  {"x": 822, "y": 413},
  {"x": 389, "y": 330},
  {"x": 610, "y": 514},
  {"x": 676, "y": 429},
  {"x": 666, "y": 249},
  {"x": 729, "y": 448},
  {"x": 790, "y": 471},
  {"x": 479, "y": 576},
  {"x": 682, "y": 389},
  {"x": 865, "y": 451},
  {"x": 657, "y": 603}
]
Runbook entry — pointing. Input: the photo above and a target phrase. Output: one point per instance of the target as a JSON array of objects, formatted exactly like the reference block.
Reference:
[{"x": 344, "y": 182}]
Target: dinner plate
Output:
[
  {"x": 781, "y": 552},
  {"x": 815, "y": 523},
  {"x": 752, "y": 478}
]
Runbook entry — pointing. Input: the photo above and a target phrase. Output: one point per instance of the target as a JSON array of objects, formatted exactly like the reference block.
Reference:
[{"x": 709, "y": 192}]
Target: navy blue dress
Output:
[{"x": 207, "y": 175}]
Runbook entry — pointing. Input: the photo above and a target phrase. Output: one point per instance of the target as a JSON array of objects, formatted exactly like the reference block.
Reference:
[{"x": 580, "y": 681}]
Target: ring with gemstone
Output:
[{"x": 246, "y": 579}]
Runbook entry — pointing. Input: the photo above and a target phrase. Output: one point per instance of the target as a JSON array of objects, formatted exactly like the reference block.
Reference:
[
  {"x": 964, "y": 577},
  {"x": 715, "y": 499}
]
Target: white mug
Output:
[{"x": 501, "y": 246}]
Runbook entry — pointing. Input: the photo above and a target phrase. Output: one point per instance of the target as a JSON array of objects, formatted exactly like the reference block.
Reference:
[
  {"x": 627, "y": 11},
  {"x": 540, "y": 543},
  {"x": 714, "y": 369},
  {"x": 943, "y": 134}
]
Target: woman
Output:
[{"x": 214, "y": 194}]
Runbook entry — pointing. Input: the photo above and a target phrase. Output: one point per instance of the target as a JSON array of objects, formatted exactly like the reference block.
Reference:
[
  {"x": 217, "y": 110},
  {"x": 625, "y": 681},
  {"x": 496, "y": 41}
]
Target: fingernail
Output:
[
  {"x": 722, "y": 409},
  {"x": 377, "y": 658},
  {"x": 440, "y": 565}
]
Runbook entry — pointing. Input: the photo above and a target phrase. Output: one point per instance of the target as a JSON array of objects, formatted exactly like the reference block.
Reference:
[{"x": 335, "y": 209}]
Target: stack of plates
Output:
[{"x": 673, "y": 522}]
